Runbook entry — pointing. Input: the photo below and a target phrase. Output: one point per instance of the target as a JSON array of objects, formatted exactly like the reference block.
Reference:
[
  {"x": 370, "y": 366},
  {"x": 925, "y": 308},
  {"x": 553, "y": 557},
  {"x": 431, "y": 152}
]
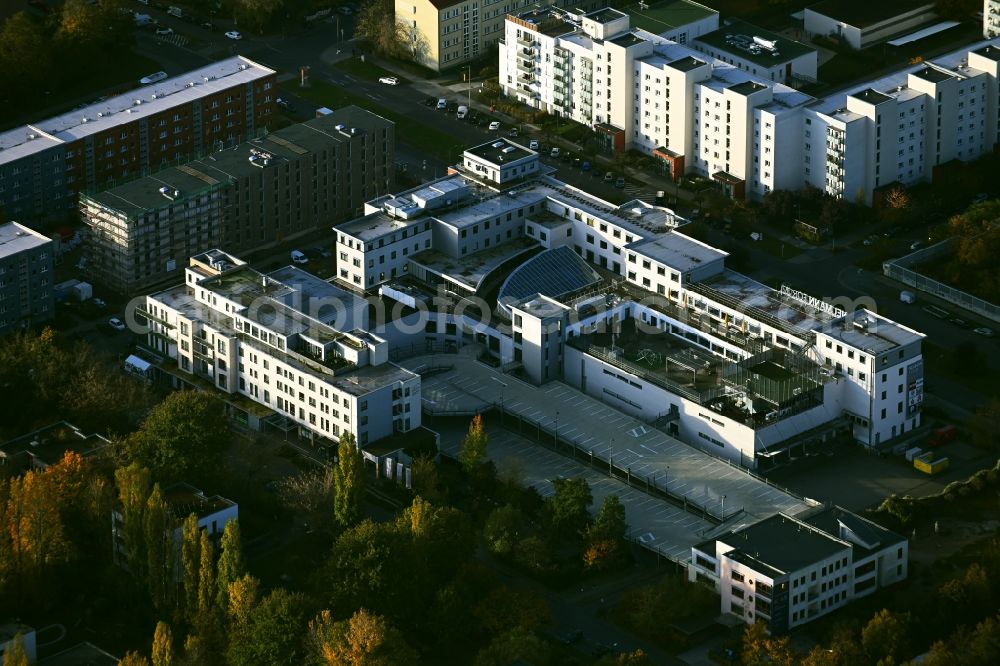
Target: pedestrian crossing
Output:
[
  {"x": 175, "y": 39},
  {"x": 639, "y": 192}
]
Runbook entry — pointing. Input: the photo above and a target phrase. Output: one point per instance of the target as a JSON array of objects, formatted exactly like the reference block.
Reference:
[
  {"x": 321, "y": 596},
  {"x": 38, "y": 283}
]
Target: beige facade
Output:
[{"x": 448, "y": 33}]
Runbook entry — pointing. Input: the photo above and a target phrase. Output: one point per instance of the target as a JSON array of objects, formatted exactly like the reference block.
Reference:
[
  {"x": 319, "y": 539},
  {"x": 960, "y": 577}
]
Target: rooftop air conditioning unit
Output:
[
  {"x": 170, "y": 192},
  {"x": 84, "y": 119},
  {"x": 340, "y": 127}
]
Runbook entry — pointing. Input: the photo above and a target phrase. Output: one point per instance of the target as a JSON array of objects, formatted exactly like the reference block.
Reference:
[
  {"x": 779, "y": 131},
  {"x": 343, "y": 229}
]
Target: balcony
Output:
[
  {"x": 525, "y": 65},
  {"x": 526, "y": 79},
  {"x": 526, "y": 42}
]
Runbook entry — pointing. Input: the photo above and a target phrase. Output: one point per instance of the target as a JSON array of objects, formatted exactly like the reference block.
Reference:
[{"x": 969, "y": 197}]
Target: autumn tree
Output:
[
  {"x": 272, "y": 633},
  {"x": 207, "y": 622},
  {"x": 158, "y": 541},
  {"x": 506, "y": 608},
  {"x": 24, "y": 52},
  {"x": 348, "y": 482},
  {"x": 365, "y": 639},
  {"x": 163, "y": 645},
  {"x": 191, "y": 566},
  {"x": 310, "y": 494},
  {"x": 886, "y": 636},
  {"x": 243, "y": 595},
  {"x": 515, "y": 646},
  {"x": 36, "y": 532},
  {"x": 231, "y": 566},
  {"x": 758, "y": 648},
  {"x": 183, "y": 438},
  {"x": 473, "y": 450},
  {"x": 133, "y": 659},
  {"x": 504, "y": 527},
  {"x": 14, "y": 653},
  {"x": 377, "y": 25},
  {"x": 426, "y": 480},
  {"x": 567, "y": 511}
]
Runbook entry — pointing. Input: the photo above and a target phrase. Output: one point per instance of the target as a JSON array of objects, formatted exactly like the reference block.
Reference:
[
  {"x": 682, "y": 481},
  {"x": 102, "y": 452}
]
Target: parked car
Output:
[
  {"x": 494, "y": 126},
  {"x": 985, "y": 332},
  {"x": 958, "y": 321},
  {"x": 533, "y": 144},
  {"x": 462, "y": 112},
  {"x": 513, "y": 132},
  {"x": 442, "y": 104},
  {"x": 915, "y": 245},
  {"x": 608, "y": 177},
  {"x": 164, "y": 30},
  {"x": 299, "y": 257},
  {"x": 233, "y": 34},
  {"x": 585, "y": 166},
  {"x": 554, "y": 153},
  {"x": 116, "y": 324},
  {"x": 620, "y": 183},
  {"x": 389, "y": 80},
  {"x": 451, "y": 108}
]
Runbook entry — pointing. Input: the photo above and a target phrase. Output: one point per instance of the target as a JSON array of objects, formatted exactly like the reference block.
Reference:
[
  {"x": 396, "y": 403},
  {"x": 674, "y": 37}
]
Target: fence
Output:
[{"x": 902, "y": 271}]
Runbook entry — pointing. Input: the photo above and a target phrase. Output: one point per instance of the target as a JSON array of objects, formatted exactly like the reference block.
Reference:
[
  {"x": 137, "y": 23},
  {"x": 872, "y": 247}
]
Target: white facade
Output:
[
  {"x": 991, "y": 18},
  {"x": 786, "y": 571},
  {"x": 290, "y": 342},
  {"x": 859, "y": 34}
]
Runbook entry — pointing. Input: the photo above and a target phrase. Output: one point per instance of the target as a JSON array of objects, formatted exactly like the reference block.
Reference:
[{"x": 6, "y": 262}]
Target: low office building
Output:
[
  {"x": 44, "y": 165},
  {"x": 286, "y": 349},
  {"x": 182, "y": 500},
  {"x": 26, "y": 286},
  {"x": 786, "y": 571},
  {"x": 619, "y": 302},
  {"x": 261, "y": 192},
  {"x": 759, "y": 52},
  {"x": 862, "y": 24}
]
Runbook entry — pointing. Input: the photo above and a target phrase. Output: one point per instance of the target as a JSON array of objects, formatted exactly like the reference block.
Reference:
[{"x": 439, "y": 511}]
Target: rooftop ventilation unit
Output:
[
  {"x": 497, "y": 144},
  {"x": 340, "y": 127},
  {"x": 84, "y": 119},
  {"x": 508, "y": 149},
  {"x": 170, "y": 192}
]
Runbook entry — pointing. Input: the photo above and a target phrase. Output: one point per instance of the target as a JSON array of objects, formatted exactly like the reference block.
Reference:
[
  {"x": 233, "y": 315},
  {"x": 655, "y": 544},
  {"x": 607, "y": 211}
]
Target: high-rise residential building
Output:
[
  {"x": 286, "y": 347},
  {"x": 26, "y": 278},
  {"x": 991, "y": 18},
  {"x": 43, "y": 165},
  {"x": 289, "y": 182},
  {"x": 720, "y": 110}
]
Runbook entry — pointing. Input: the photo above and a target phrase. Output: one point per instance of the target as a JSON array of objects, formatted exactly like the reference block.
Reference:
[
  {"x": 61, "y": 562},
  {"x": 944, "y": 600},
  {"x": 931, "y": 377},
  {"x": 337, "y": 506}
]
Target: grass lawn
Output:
[
  {"x": 114, "y": 76},
  {"x": 364, "y": 70},
  {"x": 427, "y": 139}
]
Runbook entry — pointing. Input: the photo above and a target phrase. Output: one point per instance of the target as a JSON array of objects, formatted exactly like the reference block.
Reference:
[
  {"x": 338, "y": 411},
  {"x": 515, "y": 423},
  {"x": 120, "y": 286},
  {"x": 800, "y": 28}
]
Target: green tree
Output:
[
  {"x": 758, "y": 648},
  {"x": 348, "y": 482},
  {"x": 158, "y": 539},
  {"x": 191, "y": 564},
  {"x": 14, "y": 652},
  {"x": 515, "y": 646},
  {"x": 257, "y": 14},
  {"x": 272, "y": 636},
  {"x": 25, "y": 51},
  {"x": 36, "y": 533},
  {"x": 426, "y": 481},
  {"x": 365, "y": 639},
  {"x": 567, "y": 511},
  {"x": 184, "y": 437},
  {"x": 207, "y": 590},
  {"x": 231, "y": 566},
  {"x": 133, "y": 494},
  {"x": 504, "y": 528},
  {"x": 243, "y": 595},
  {"x": 886, "y": 636},
  {"x": 610, "y": 521},
  {"x": 474, "y": 445},
  {"x": 163, "y": 645}
]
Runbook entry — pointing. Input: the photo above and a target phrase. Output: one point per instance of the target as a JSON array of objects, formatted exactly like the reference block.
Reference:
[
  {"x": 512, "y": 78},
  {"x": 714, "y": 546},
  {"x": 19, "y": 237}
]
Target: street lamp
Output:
[
  {"x": 611, "y": 457},
  {"x": 723, "y": 508},
  {"x": 557, "y": 427},
  {"x": 469, "y": 67}
]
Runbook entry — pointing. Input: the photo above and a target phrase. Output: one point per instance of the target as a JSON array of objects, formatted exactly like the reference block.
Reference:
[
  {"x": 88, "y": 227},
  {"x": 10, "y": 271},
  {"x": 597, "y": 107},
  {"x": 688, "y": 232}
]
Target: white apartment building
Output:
[
  {"x": 991, "y": 18},
  {"x": 288, "y": 341},
  {"x": 749, "y": 132},
  {"x": 786, "y": 571},
  {"x": 739, "y": 368}
]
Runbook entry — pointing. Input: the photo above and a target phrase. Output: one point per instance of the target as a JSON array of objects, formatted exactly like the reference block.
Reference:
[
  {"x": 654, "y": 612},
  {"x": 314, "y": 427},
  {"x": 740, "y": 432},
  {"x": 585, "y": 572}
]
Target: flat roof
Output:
[
  {"x": 604, "y": 15},
  {"x": 184, "y": 499},
  {"x": 747, "y": 88},
  {"x": 470, "y": 270},
  {"x": 540, "y": 306},
  {"x": 139, "y": 196},
  {"x": 677, "y": 251},
  {"x": 933, "y": 74},
  {"x": 15, "y": 238},
  {"x": 863, "y": 14},
  {"x": 500, "y": 151},
  {"x": 782, "y": 543},
  {"x": 660, "y": 17},
  {"x": 864, "y": 329},
  {"x": 546, "y": 21},
  {"x": 141, "y": 102},
  {"x": 737, "y": 38},
  {"x": 872, "y": 96},
  {"x": 989, "y": 51},
  {"x": 867, "y": 535},
  {"x": 921, "y": 34},
  {"x": 687, "y": 63}
]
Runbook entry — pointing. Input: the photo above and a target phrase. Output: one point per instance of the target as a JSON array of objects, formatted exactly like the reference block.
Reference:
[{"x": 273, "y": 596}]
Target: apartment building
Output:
[
  {"x": 44, "y": 165},
  {"x": 26, "y": 278},
  {"x": 991, "y": 18},
  {"x": 287, "y": 341},
  {"x": 722, "y": 361},
  {"x": 786, "y": 571},
  {"x": 707, "y": 112},
  {"x": 273, "y": 188}
]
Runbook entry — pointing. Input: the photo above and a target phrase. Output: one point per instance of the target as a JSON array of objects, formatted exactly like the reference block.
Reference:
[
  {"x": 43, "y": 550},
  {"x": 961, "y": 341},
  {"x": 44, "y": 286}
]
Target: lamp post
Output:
[
  {"x": 611, "y": 458},
  {"x": 469, "y": 67},
  {"x": 723, "y": 508},
  {"x": 557, "y": 427}
]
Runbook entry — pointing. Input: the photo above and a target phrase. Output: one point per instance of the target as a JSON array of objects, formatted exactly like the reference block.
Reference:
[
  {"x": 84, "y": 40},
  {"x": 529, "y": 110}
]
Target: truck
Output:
[
  {"x": 907, "y": 297},
  {"x": 928, "y": 464},
  {"x": 943, "y": 435}
]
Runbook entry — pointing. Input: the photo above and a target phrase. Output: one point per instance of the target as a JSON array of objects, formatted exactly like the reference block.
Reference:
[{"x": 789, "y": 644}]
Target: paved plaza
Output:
[{"x": 461, "y": 385}]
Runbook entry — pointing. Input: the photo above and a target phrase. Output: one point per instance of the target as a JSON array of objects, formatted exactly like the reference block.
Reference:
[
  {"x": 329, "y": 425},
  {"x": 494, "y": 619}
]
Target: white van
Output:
[
  {"x": 176, "y": 12},
  {"x": 461, "y": 112},
  {"x": 299, "y": 258}
]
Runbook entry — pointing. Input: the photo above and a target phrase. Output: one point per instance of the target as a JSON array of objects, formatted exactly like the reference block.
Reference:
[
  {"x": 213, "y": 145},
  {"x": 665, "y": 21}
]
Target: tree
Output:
[
  {"x": 474, "y": 445},
  {"x": 566, "y": 512},
  {"x": 365, "y": 639},
  {"x": 158, "y": 532},
  {"x": 133, "y": 495},
  {"x": 310, "y": 495},
  {"x": 503, "y": 529},
  {"x": 425, "y": 479},
  {"x": 207, "y": 589},
  {"x": 348, "y": 482},
  {"x": 758, "y": 648},
  {"x": 231, "y": 566},
  {"x": 610, "y": 521},
  {"x": 272, "y": 633},
  {"x": 184, "y": 437},
  {"x": 377, "y": 25},
  {"x": 24, "y": 51},
  {"x": 36, "y": 532},
  {"x": 886, "y": 636},
  {"x": 14, "y": 652},
  {"x": 191, "y": 563},
  {"x": 515, "y": 646},
  {"x": 133, "y": 659},
  {"x": 505, "y": 608},
  {"x": 257, "y": 13},
  {"x": 163, "y": 645},
  {"x": 243, "y": 596}
]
